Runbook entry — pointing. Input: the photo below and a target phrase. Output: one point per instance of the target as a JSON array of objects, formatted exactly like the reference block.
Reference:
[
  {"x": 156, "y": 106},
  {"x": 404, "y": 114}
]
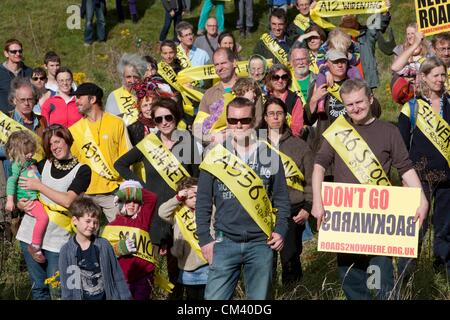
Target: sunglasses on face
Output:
[
  {"x": 20, "y": 51},
  {"x": 284, "y": 77},
  {"x": 167, "y": 117},
  {"x": 38, "y": 78},
  {"x": 243, "y": 121}
]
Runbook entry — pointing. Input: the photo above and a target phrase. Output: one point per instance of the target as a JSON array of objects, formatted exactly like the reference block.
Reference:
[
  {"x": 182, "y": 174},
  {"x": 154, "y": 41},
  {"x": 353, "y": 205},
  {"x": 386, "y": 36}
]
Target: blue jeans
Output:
[
  {"x": 101, "y": 24},
  {"x": 206, "y": 9},
  {"x": 254, "y": 258},
  {"x": 353, "y": 271},
  {"x": 39, "y": 272},
  {"x": 167, "y": 22}
]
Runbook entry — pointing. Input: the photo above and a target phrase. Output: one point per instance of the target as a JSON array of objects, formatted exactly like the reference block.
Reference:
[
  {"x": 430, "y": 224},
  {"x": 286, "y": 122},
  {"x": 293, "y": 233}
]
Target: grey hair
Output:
[
  {"x": 298, "y": 45},
  {"x": 133, "y": 60},
  {"x": 16, "y": 84}
]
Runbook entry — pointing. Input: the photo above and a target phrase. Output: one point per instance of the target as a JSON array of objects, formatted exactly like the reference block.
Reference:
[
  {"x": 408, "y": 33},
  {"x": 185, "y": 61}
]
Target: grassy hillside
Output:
[{"x": 41, "y": 26}]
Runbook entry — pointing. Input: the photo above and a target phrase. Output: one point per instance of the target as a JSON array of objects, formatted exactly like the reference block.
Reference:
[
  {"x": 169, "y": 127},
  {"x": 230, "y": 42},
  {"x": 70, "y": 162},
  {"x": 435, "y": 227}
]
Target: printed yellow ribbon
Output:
[
  {"x": 275, "y": 48},
  {"x": 164, "y": 161},
  {"x": 294, "y": 177},
  {"x": 58, "y": 215},
  {"x": 432, "y": 126},
  {"x": 302, "y": 22},
  {"x": 185, "y": 62},
  {"x": 126, "y": 102},
  {"x": 185, "y": 219},
  {"x": 355, "y": 153},
  {"x": 9, "y": 125},
  {"x": 244, "y": 183},
  {"x": 335, "y": 8},
  {"x": 144, "y": 248},
  {"x": 335, "y": 90},
  {"x": 168, "y": 74},
  {"x": 313, "y": 67},
  {"x": 90, "y": 151},
  {"x": 295, "y": 86}
]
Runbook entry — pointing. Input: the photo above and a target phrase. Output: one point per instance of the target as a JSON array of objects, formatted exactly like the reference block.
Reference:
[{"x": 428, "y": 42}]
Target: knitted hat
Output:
[
  {"x": 130, "y": 190},
  {"x": 402, "y": 91}
]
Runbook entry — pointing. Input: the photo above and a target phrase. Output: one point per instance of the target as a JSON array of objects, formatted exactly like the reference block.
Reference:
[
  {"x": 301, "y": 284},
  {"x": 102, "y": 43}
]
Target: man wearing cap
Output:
[
  {"x": 99, "y": 139},
  {"x": 324, "y": 103}
]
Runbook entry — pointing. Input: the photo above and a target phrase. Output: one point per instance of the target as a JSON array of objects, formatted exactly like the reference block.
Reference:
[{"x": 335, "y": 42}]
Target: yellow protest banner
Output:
[
  {"x": 336, "y": 8},
  {"x": 432, "y": 16},
  {"x": 368, "y": 219}
]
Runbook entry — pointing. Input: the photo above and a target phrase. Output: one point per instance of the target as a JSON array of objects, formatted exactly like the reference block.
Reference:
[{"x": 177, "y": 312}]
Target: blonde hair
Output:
[
  {"x": 425, "y": 69},
  {"x": 19, "y": 144},
  {"x": 339, "y": 40}
]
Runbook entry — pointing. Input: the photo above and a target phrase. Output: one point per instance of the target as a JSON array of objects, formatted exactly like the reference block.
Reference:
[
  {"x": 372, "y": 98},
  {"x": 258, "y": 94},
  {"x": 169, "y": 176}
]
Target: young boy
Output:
[
  {"x": 136, "y": 207},
  {"x": 193, "y": 266},
  {"x": 88, "y": 266}
]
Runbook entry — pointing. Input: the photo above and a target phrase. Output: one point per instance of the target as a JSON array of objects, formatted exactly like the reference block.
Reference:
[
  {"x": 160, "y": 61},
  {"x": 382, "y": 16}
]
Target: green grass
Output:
[{"x": 41, "y": 26}]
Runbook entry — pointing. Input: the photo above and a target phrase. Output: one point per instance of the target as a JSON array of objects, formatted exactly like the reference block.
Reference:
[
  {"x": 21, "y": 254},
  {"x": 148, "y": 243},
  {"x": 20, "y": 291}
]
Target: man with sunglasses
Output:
[
  {"x": 245, "y": 171},
  {"x": 11, "y": 68}
]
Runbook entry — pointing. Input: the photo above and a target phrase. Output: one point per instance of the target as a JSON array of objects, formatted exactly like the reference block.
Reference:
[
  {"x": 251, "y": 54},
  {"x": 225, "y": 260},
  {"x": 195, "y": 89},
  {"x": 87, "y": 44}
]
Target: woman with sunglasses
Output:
[
  {"x": 146, "y": 92},
  {"x": 178, "y": 143},
  {"x": 62, "y": 108},
  {"x": 278, "y": 82},
  {"x": 38, "y": 80},
  {"x": 63, "y": 179},
  {"x": 300, "y": 194}
]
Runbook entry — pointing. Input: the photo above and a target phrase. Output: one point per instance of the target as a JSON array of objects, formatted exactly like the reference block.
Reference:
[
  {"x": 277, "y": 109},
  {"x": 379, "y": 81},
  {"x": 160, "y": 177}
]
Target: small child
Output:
[
  {"x": 20, "y": 149},
  {"x": 136, "y": 207},
  {"x": 193, "y": 268},
  {"x": 87, "y": 264}
]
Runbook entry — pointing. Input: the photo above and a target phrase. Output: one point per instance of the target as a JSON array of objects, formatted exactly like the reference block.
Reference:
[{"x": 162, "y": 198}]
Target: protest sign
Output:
[{"x": 433, "y": 16}]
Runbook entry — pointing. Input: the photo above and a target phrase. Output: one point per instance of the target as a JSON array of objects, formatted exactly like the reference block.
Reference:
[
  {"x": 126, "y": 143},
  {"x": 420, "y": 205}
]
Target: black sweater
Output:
[{"x": 422, "y": 148}]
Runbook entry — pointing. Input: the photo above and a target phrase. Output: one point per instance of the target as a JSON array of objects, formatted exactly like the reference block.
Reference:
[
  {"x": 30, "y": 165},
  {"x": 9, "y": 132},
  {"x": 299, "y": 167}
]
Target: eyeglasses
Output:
[
  {"x": 212, "y": 25},
  {"x": 187, "y": 35},
  {"x": 25, "y": 100},
  {"x": 64, "y": 81},
  {"x": 272, "y": 114},
  {"x": 167, "y": 117},
  {"x": 38, "y": 78},
  {"x": 284, "y": 77},
  {"x": 53, "y": 127},
  {"x": 19, "y": 51},
  {"x": 443, "y": 49},
  {"x": 243, "y": 121}
]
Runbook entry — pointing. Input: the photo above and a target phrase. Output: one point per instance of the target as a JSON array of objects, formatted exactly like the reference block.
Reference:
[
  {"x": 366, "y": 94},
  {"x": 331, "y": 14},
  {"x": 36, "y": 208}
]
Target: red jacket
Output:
[
  {"x": 135, "y": 268},
  {"x": 55, "y": 110}
]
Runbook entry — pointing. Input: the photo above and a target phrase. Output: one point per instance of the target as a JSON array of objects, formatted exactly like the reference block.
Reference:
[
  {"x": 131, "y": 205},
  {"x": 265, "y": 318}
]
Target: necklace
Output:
[{"x": 67, "y": 166}]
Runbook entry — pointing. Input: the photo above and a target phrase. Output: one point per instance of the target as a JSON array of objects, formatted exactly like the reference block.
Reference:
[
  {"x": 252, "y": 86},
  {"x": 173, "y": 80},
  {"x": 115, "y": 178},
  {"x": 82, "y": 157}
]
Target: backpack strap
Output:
[{"x": 412, "y": 118}]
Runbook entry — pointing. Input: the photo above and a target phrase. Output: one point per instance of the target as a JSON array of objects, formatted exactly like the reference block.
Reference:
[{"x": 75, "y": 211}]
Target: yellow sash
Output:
[
  {"x": 9, "y": 125},
  {"x": 168, "y": 74},
  {"x": 275, "y": 48},
  {"x": 185, "y": 219},
  {"x": 355, "y": 153},
  {"x": 144, "y": 248},
  {"x": 294, "y": 177},
  {"x": 302, "y": 22},
  {"x": 185, "y": 62},
  {"x": 221, "y": 122},
  {"x": 126, "y": 102},
  {"x": 91, "y": 153},
  {"x": 335, "y": 90},
  {"x": 313, "y": 67},
  {"x": 58, "y": 215},
  {"x": 244, "y": 183},
  {"x": 167, "y": 165},
  {"x": 432, "y": 126}
]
